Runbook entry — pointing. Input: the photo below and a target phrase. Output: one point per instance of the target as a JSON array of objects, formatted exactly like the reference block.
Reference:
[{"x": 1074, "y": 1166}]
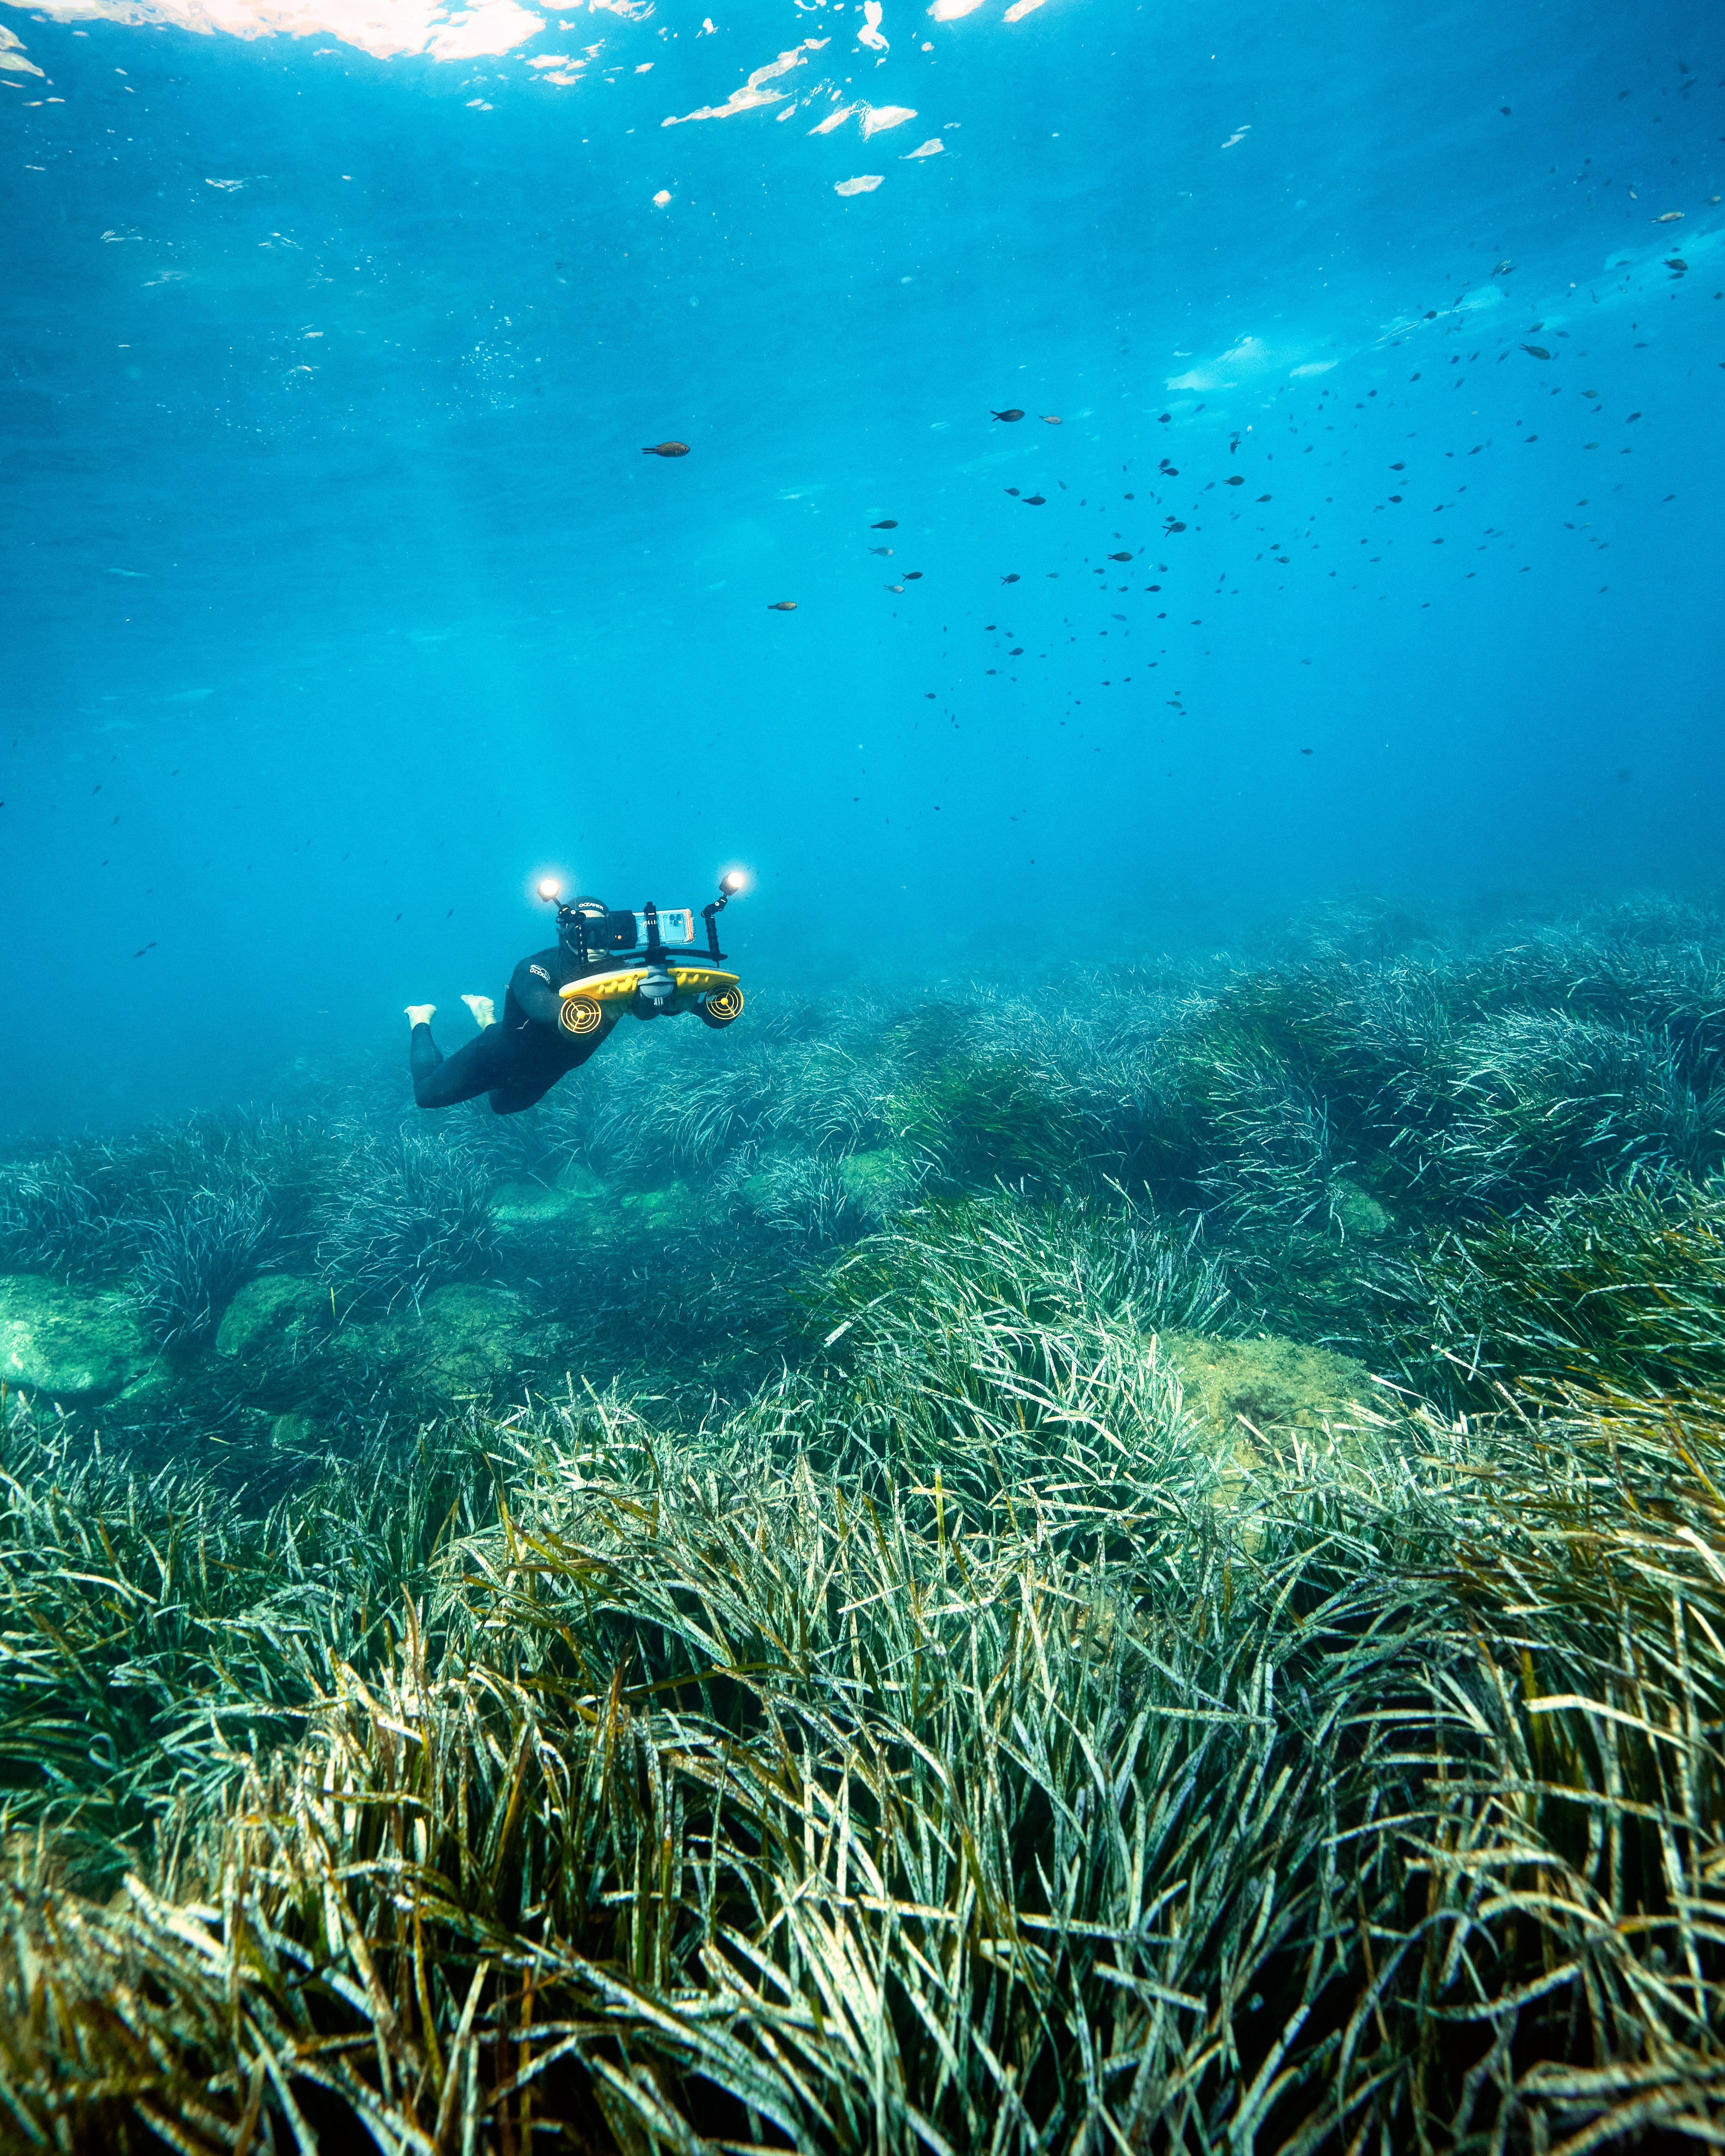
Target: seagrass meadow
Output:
[{"x": 1127, "y": 1560}]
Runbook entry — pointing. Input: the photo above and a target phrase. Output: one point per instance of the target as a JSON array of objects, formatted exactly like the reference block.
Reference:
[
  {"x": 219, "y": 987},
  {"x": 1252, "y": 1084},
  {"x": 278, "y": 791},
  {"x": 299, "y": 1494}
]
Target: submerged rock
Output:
[
  {"x": 577, "y": 1205},
  {"x": 530, "y": 1205},
  {"x": 68, "y": 1342},
  {"x": 462, "y": 1339},
  {"x": 673, "y": 1204},
  {"x": 881, "y": 1184},
  {"x": 1248, "y": 1397},
  {"x": 297, "y": 1433},
  {"x": 1270, "y": 1383},
  {"x": 1358, "y": 1212},
  {"x": 275, "y": 1324}
]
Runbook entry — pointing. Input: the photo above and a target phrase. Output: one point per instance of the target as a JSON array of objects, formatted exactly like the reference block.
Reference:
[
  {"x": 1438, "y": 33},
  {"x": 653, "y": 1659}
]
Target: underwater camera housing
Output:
[{"x": 661, "y": 972}]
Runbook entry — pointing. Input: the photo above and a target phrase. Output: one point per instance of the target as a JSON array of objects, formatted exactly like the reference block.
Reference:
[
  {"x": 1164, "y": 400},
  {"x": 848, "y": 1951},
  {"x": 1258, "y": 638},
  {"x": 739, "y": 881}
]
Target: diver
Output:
[{"x": 547, "y": 1027}]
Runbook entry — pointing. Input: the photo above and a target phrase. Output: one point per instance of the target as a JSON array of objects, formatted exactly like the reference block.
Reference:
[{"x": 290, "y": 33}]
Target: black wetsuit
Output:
[{"x": 521, "y": 1057}]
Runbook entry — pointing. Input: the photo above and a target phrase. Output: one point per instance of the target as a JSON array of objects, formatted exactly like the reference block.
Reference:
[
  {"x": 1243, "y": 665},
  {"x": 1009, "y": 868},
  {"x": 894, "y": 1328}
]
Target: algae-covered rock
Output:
[
  {"x": 575, "y": 1208},
  {"x": 462, "y": 1340},
  {"x": 673, "y": 1205},
  {"x": 532, "y": 1204},
  {"x": 1248, "y": 1396},
  {"x": 881, "y": 1183},
  {"x": 296, "y": 1432},
  {"x": 1270, "y": 1383},
  {"x": 1358, "y": 1212},
  {"x": 275, "y": 1321},
  {"x": 67, "y": 1342}
]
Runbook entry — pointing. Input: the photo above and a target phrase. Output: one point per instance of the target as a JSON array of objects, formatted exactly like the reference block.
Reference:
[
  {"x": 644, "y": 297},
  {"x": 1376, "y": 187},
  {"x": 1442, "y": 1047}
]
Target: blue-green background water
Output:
[{"x": 340, "y": 601}]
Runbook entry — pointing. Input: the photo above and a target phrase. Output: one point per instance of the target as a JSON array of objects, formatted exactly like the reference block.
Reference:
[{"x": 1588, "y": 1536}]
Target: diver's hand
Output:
[{"x": 421, "y": 1014}]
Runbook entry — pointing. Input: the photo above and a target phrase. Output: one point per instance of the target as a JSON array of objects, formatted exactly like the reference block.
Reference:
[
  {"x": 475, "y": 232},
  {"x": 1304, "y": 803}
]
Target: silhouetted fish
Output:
[
  {"x": 1034, "y": 500},
  {"x": 886, "y": 524},
  {"x": 1014, "y": 414},
  {"x": 667, "y": 450},
  {"x": 1126, "y": 556},
  {"x": 1012, "y": 579},
  {"x": 1535, "y": 350},
  {"x": 913, "y": 576},
  {"x": 1050, "y": 418},
  {"x": 1173, "y": 524},
  {"x": 1235, "y": 479},
  {"x": 781, "y": 605},
  {"x": 879, "y": 550}
]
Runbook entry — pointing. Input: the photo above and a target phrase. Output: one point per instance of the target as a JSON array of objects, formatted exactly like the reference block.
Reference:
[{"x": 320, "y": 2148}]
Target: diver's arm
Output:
[{"x": 532, "y": 984}]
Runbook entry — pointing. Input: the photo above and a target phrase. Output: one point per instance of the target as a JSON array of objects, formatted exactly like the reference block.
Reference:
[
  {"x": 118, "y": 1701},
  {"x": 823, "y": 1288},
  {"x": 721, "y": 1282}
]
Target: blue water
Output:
[{"x": 340, "y": 601}]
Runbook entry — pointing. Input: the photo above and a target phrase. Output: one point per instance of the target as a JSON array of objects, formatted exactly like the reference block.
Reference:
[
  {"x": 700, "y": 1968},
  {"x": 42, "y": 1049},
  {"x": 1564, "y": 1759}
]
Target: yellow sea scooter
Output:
[{"x": 670, "y": 974}]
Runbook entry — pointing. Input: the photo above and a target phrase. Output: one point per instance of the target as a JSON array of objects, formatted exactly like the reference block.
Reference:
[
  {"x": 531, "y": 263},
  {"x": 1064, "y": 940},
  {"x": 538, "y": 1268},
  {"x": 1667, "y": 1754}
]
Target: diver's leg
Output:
[
  {"x": 510, "y": 1100},
  {"x": 423, "y": 1054},
  {"x": 471, "y": 1071}
]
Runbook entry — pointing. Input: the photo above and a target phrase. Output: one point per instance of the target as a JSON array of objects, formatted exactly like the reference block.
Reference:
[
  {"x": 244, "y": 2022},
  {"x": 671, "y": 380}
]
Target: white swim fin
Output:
[
  {"x": 484, "y": 1011},
  {"x": 421, "y": 1014}
]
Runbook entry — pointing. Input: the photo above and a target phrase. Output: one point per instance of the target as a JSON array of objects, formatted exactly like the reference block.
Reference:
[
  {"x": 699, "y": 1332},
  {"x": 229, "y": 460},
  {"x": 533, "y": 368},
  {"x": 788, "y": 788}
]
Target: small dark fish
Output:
[
  {"x": 781, "y": 605},
  {"x": 1012, "y": 579},
  {"x": 1174, "y": 524},
  {"x": 1012, "y": 490},
  {"x": 1263, "y": 497},
  {"x": 1395, "y": 497},
  {"x": 1306, "y": 752},
  {"x": 1171, "y": 471},
  {"x": 1126, "y": 555},
  {"x": 1014, "y": 414},
  {"x": 1018, "y": 653},
  {"x": 913, "y": 576},
  {"x": 1034, "y": 500},
  {"x": 1401, "y": 467},
  {"x": 1503, "y": 268},
  {"x": 1235, "y": 478},
  {"x": 667, "y": 450},
  {"x": 1535, "y": 350},
  {"x": 139, "y": 954},
  {"x": 886, "y": 524}
]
